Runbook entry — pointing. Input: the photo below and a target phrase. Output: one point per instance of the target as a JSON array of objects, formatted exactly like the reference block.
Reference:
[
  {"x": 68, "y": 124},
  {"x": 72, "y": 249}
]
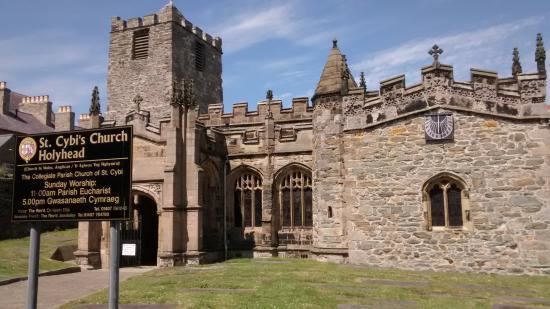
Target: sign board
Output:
[
  {"x": 79, "y": 175},
  {"x": 129, "y": 249}
]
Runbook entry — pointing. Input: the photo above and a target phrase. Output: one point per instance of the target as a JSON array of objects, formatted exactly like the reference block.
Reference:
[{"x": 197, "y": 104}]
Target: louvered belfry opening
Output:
[
  {"x": 140, "y": 46},
  {"x": 199, "y": 56}
]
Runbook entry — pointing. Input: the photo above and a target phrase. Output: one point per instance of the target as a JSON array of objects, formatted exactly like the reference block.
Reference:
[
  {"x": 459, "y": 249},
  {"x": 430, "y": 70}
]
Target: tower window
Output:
[
  {"x": 199, "y": 56},
  {"x": 140, "y": 44}
]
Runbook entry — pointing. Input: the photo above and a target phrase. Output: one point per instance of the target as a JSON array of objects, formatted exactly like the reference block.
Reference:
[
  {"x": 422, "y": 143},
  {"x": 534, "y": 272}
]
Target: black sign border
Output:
[{"x": 19, "y": 137}]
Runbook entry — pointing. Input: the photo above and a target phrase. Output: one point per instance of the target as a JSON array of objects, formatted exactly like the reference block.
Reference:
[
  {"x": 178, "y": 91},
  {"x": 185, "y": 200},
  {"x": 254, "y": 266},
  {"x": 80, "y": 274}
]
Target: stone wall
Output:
[
  {"x": 208, "y": 81},
  {"x": 170, "y": 58},
  {"x": 505, "y": 165},
  {"x": 129, "y": 77},
  {"x": 329, "y": 239}
]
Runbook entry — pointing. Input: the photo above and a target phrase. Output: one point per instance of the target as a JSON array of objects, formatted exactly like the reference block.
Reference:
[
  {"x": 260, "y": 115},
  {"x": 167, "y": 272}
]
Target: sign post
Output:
[
  {"x": 34, "y": 255},
  {"x": 83, "y": 175},
  {"x": 114, "y": 262}
]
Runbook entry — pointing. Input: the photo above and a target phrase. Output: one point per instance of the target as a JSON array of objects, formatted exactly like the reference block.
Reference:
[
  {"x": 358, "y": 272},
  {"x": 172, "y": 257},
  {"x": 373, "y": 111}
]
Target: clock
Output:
[{"x": 439, "y": 127}]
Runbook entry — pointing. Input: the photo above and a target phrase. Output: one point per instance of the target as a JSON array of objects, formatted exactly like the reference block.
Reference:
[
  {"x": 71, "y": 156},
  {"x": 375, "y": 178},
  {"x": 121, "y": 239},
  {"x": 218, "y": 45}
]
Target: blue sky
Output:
[{"x": 59, "y": 47}]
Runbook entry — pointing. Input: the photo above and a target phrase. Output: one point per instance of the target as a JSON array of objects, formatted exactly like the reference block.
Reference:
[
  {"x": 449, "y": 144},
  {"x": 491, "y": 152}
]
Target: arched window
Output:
[
  {"x": 446, "y": 205},
  {"x": 248, "y": 200},
  {"x": 295, "y": 198}
]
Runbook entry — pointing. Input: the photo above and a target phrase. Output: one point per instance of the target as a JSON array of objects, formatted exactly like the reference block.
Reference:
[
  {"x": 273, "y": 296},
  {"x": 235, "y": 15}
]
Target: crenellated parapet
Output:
[
  {"x": 241, "y": 115},
  {"x": 522, "y": 95},
  {"x": 169, "y": 14}
]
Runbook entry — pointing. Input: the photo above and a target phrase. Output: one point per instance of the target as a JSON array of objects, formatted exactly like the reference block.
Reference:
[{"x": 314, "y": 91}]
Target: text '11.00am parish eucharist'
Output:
[{"x": 73, "y": 176}]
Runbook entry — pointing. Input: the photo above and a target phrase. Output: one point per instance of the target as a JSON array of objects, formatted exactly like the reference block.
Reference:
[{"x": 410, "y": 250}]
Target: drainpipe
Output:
[{"x": 225, "y": 206}]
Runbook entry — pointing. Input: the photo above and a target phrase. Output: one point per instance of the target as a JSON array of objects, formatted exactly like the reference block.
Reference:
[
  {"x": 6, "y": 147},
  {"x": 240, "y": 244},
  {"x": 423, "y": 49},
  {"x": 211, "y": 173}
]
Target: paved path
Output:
[{"x": 54, "y": 291}]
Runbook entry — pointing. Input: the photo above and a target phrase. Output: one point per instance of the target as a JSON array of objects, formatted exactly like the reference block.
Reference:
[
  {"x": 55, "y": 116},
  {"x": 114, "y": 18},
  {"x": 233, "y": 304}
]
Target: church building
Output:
[{"x": 441, "y": 175}]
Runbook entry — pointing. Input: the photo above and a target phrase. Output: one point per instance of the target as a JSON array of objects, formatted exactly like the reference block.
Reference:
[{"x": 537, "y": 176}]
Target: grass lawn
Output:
[
  {"x": 292, "y": 283},
  {"x": 14, "y": 253}
]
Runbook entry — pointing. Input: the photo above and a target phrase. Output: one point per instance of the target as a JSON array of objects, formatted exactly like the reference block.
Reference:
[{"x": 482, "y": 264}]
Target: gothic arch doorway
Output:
[{"x": 141, "y": 232}]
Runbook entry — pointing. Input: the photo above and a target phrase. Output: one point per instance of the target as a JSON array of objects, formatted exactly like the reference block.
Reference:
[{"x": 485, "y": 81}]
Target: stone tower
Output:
[
  {"x": 328, "y": 207},
  {"x": 147, "y": 54}
]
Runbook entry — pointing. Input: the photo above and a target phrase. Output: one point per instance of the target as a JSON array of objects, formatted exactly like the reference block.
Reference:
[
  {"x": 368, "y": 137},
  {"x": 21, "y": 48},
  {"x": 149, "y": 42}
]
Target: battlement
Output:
[
  {"x": 167, "y": 14},
  {"x": 3, "y": 85},
  {"x": 240, "y": 113},
  {"x": 36, "y": 99},
  {"x": 521, "y": 95},
  {"x": 442, "y": 75}
]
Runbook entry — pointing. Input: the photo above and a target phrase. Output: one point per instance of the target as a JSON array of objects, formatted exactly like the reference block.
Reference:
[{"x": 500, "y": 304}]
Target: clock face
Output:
[{"x": 439, "y": 126}]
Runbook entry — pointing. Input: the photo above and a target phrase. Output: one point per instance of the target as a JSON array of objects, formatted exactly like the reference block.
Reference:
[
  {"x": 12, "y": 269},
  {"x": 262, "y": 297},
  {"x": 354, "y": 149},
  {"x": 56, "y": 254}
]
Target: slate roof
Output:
[
  {"x": 23, "y": 123},
  {"x": 15, "y": 99},
  {"x": 7, "y": 143}
]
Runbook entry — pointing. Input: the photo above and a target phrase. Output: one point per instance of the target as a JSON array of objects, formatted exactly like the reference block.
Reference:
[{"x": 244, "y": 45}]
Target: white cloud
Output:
[
  {"x": 284, "y": 20},
  {"x": 42, "y": 49},
  {"x": 53, "y": 62},
  {"x": 478, "y": 48}
]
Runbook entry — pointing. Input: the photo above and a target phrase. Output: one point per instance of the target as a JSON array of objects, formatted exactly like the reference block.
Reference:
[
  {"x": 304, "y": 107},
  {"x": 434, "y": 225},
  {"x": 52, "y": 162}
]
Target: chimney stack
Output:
[
  {"x": 4, "y": 98},
  {"x": 64, "y": 119}
]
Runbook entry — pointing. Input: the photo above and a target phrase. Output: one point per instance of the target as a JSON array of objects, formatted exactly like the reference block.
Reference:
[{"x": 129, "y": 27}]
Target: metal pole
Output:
[
  {"x": 34, "y": 254},
  {"x": 225, "y": 208},
  {"x": 114, "y": 261}
]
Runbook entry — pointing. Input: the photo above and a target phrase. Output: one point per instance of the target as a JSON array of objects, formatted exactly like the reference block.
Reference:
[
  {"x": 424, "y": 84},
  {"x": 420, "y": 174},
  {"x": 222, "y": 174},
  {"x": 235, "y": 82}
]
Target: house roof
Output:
[
  {"x": 22, "y": 123},
  {"x": 7, "y": 143}
]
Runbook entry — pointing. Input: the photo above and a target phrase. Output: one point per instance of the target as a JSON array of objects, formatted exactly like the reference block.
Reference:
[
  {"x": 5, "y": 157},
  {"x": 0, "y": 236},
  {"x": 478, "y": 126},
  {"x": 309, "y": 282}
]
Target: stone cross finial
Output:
[
  {"x": 516, "y": 66},
  {"x": 362, "y": 82},
  {"x": 137, "y": 101},
  {"x": 540, "y": 55},
  {"x": 334, "y": 43},
  {"x": 435, "y": 52},
  {"x": 94, "y": 106}
]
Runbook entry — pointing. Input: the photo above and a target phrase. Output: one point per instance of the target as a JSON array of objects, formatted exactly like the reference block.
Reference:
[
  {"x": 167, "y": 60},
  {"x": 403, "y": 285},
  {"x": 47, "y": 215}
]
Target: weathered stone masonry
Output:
[{"x": 505, "y": 165}]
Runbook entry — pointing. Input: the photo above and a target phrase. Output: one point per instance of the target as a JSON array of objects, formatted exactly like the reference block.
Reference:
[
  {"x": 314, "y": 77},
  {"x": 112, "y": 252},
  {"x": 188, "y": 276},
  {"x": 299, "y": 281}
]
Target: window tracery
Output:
[
  {"x": 446, "y": 203},
  {"x": 295, "y": 199},
  {"x": 248, "y": 200}
]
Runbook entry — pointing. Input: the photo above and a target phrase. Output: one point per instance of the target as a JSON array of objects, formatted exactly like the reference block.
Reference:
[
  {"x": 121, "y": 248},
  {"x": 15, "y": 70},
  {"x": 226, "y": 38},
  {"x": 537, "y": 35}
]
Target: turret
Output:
[
  {"x": 328, "y": 208},
  {"x": 336, "y": 78}
]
